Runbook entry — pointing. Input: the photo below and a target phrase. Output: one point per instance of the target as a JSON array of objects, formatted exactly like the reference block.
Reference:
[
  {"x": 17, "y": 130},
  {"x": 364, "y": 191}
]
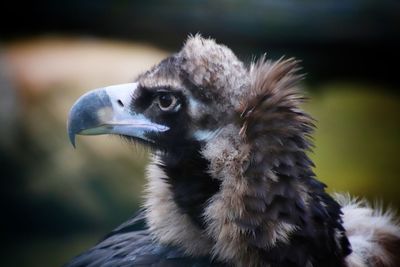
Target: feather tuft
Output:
[{"x": 374, "y": 234}]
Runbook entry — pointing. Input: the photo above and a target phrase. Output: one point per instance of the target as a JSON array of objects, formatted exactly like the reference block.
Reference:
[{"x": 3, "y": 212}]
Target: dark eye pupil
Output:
[{"x": 165, "y": 100}]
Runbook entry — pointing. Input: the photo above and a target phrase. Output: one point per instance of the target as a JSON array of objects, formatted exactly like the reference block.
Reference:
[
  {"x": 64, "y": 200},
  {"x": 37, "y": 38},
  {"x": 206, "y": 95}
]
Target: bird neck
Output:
[
  {"x": 244, "y": 204},
  {"x": 190, "y": 182},
  {"x": 178, "y": 188}
]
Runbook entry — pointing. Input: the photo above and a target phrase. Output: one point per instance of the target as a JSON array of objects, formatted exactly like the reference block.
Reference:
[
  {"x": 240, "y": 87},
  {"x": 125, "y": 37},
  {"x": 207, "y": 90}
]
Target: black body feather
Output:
[{"x": 131, "y": 245}]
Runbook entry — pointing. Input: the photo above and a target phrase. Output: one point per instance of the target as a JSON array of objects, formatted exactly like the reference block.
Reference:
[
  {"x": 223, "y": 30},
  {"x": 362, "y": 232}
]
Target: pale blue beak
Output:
[{"x": 109, "y": 110}]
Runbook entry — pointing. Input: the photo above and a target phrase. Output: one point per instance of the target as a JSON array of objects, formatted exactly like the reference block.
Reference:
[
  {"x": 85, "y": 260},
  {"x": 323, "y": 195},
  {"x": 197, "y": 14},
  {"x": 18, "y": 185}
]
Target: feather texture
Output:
[
  {"x": 373, "y": 233},
  {"x": 271, "y": 209}
]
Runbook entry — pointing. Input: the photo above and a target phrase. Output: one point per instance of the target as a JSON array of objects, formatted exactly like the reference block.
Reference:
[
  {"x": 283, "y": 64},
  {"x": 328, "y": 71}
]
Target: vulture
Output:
[{"x": 230, "y": 181}]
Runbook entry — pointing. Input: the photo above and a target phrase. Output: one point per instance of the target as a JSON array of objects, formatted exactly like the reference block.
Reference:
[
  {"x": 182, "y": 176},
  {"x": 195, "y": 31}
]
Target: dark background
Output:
[
  {"x": 356, "y": 39},
  {"x": 56, "y": 201}
]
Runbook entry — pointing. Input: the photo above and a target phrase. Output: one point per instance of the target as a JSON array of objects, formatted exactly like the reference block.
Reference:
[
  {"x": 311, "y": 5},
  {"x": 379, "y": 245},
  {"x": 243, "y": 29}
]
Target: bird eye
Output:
[{"x": 166, "y": 101}]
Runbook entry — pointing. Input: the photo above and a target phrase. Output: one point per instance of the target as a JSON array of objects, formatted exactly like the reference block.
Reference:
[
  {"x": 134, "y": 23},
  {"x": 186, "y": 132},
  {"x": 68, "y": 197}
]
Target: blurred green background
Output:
[{"x": 57, "y": 201}]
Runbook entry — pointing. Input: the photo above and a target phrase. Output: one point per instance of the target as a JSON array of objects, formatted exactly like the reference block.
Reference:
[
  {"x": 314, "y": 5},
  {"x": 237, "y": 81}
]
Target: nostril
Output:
[{"x": 120, "y": 103}]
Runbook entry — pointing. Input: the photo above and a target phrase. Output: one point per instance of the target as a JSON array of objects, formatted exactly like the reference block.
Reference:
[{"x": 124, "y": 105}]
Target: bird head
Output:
[
  {"x": 230, "y": 169},
  {"x": 185, "y": 99}
]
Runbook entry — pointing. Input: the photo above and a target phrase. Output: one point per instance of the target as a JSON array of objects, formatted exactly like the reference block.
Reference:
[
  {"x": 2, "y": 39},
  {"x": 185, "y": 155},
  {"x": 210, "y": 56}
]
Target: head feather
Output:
[{"x": 272, "y": 105}]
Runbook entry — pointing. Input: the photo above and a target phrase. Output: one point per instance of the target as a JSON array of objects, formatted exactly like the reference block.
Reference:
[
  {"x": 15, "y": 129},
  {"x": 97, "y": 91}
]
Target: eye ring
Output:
[{"x": 166, "y": 101}]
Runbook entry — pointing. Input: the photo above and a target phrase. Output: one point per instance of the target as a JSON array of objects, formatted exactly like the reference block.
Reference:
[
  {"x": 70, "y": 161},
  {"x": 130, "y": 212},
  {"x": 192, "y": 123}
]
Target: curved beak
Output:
[{"x": 108, "y": 110}]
